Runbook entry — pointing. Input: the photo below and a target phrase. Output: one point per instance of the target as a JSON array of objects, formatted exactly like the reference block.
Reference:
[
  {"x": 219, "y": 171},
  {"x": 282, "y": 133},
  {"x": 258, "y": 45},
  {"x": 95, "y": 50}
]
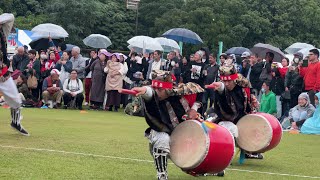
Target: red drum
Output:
[
  {"x": 259, "y": 132},
  {"x": 199, "y": 148}
]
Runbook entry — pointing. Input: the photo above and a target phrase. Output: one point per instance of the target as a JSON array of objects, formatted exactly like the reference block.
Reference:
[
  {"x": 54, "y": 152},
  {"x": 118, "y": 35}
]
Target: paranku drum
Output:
[
  {"x": 199, "y": 148},
  {"x": 259, "y": 132}
]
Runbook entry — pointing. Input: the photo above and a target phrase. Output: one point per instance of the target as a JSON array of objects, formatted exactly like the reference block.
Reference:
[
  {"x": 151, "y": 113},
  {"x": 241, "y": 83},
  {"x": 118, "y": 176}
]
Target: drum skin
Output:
[
  {"x": 271, "y": 132},
  {"x": 215, "y": 157}
]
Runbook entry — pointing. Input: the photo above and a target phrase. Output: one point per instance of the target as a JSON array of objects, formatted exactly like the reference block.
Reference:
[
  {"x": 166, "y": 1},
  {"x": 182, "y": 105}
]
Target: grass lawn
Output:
[{"x": 86, "y": 145}]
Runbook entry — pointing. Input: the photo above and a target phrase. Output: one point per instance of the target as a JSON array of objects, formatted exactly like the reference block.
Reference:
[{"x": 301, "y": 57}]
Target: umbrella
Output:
[
  {"x": 48, "y": 29},
  {"x": 97, "y": 41},
  {"x": 305, "y": 51},
  {"x": 168, "y": 44},
  {"x": 183, "y": 35},
  {"x": 262, "y": 49},
  {"x": 6, "y": 20},
  {"x": 237, "y": 51},
  {"x": 144, "y": 43},
  {"x": 298, "y": 46},
  {"x": 43, "y": 43},
  {"x": 69, "y": 47}
]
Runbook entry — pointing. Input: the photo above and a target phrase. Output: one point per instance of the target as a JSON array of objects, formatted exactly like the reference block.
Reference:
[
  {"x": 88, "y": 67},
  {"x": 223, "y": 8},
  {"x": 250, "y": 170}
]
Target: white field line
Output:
[{"x": 148, "y": 161}]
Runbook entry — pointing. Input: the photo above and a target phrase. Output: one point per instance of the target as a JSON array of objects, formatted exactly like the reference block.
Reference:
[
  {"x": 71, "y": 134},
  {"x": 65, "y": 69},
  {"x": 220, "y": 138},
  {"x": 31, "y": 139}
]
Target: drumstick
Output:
[
  {"x": 210, "y": 86},
  {"x": 128, "y": 91}
]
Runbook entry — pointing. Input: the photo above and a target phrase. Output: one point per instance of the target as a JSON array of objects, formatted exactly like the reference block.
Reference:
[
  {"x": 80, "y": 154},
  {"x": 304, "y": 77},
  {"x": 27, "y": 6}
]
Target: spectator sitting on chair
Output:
[
  {"x": 52, "y": 89},
  {"x": 312, "y": 124},
  {"x": 73, "y": 90}
]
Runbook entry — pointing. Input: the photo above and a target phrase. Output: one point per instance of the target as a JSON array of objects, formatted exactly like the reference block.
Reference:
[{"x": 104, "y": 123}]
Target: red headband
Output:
[
  {"x": 229, "y": 77},
  {"x": 161, "y": 84}
]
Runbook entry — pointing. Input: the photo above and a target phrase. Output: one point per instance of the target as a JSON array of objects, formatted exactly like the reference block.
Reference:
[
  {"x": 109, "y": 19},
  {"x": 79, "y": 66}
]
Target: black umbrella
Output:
[{"x": 43, "y": 44}]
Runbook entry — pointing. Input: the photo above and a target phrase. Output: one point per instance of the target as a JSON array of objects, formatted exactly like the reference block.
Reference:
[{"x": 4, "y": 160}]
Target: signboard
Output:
[{"x": 12, "y": 42}]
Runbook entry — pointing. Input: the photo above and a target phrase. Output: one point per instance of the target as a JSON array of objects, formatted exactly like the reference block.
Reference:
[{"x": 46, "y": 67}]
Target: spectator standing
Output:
[
  {"x": 73, "y": 91},
  {"x": 88, "y": 74},
  {"x": 284, "y": 69},
  {"x": 211, "y": 75},
  {"x": 156, "y": 64},
  {"x": 311, "y": 74},
  {"x": 115, "y": 72},
  {"x": 34, "y": 70},
  {"x": 268, "y": 100},
  {"x": 98, "y": 80},
  {"x": 245, "y": 63},
  {"x": 254, "y": 74},
  {"x": 277, "y": 86},
  {"x": 64, "y": 65},
  {"x": 293, "y": 81},
  {"x": 78, "y": 62},
  {"x": 196, "y": 70},
  {"x": 20, "y": 60}
]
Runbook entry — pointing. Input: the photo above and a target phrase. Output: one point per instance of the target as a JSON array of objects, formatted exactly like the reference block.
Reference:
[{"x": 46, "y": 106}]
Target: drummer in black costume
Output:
[
  {"x": 233, "y": 101},
  {"x": 165, "y": 107}
]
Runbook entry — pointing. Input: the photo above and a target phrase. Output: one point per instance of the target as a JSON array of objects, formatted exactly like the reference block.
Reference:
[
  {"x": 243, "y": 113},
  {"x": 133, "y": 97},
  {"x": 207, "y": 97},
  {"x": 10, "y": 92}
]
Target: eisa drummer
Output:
[
  {"x": 233, "y": 101},
  {"x": 165, "y": 106}
]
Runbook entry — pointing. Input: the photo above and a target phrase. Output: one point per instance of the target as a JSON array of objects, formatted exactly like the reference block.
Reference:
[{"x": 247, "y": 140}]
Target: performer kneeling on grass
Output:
[
  {"x": 165, "y": 107},
  {"x": 7, "y": 86},
  {"x": 233, "y": 101}
]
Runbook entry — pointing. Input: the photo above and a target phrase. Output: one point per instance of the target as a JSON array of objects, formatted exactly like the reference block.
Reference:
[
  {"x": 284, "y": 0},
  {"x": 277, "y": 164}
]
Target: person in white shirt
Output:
[{"x": 73, "y": 90}]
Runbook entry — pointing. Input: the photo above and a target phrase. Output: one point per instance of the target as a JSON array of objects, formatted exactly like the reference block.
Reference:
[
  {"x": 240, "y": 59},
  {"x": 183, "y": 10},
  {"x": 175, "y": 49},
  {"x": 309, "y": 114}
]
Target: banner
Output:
[{"x": 12, "y": 42}]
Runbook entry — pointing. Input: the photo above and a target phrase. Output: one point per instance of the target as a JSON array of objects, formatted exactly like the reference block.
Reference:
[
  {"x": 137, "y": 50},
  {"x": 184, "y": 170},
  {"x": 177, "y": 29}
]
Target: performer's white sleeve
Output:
[
  {"x": 149, "y": 93},
  {"x": 196, "y": 106},
  {"x": 221, "y": 89}
]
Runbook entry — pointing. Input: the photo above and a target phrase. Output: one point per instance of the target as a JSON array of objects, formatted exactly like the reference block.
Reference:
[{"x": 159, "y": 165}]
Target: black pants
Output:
[
  {"x": 67, "y": 98},
  {"x": 208, "y": 94}
]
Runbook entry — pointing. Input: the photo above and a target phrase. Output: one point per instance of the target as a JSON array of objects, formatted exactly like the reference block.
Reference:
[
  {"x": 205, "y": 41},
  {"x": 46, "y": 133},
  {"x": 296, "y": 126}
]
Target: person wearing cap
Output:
[
  {"x": 52, "y": 89},
  {"x": 98, "y": 80},
  {"x": 114, "y": 81},
  {"x": 233, "y": 101},
  {"x": 293, "y": 82},
  {"x": 245, "y": 63},
  {"x": 165, "y": 107}
]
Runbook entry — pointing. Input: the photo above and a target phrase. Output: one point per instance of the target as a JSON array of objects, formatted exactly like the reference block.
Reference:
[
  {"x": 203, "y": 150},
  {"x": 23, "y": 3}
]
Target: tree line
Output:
[{"x": 235, "y": 22}]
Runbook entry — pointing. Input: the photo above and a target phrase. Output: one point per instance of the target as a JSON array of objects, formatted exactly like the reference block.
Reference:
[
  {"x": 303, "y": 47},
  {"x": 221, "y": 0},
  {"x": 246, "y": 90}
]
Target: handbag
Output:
[
  {"x": 265, "y": 76},
  {"x": 286, "y": 95},
  {"x": 32, "y": 81}
]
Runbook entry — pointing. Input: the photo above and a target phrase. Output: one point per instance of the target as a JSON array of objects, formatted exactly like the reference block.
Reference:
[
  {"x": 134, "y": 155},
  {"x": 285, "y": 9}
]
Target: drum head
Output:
[
  {"x": 189, "y": 145},
  {"x": 255, "y": 133}
]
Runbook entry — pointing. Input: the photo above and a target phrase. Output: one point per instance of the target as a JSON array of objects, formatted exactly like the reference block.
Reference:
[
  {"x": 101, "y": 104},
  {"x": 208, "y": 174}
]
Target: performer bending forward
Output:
[
  {"x": 7, "y": 85},
  {"x": 165, "y": 107},
  {"x": 233, "y": 101}
]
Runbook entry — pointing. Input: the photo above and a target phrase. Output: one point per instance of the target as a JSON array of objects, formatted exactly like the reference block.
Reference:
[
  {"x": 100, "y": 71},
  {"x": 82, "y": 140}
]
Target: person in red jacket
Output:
[
  {"x": 311, "y": 74},
  {"x": 284, "y": 69}
]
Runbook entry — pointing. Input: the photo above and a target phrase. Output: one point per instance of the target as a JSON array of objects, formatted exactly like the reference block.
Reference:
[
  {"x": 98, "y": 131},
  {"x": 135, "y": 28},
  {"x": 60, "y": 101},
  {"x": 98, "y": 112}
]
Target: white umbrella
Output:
[
  {"x": 48, "y": 29},
  {"x": 262, "y": 49},
  {"x": 297, "y": 47},
  {"x": 6, "y": 21},
  {"x": 97, "y": 41},
  {"x": 305, "y": 51},
  {"x": 168, "y": 44},
  {"x": 145, "y": 43}
]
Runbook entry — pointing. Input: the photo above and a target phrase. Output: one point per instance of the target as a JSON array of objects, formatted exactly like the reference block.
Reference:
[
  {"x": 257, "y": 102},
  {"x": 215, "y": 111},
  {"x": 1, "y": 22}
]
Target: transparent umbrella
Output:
[{"x": 97, "y": 41}]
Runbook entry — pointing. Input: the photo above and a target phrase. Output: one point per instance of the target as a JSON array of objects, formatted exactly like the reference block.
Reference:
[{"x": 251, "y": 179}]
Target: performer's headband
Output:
[
  {"x": 161, "y": 84},
  {"x": 229, "y": 77}
]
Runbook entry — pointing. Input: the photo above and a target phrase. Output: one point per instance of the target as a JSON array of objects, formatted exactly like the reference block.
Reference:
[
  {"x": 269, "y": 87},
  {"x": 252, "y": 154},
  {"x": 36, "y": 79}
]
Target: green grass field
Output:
[{"x": 65, "y": 144}]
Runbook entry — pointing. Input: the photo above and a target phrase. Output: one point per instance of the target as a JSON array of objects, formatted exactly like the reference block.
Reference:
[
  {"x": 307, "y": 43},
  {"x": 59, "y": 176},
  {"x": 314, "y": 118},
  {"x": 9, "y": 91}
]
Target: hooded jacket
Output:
[{"x": 312, "y": 125}]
